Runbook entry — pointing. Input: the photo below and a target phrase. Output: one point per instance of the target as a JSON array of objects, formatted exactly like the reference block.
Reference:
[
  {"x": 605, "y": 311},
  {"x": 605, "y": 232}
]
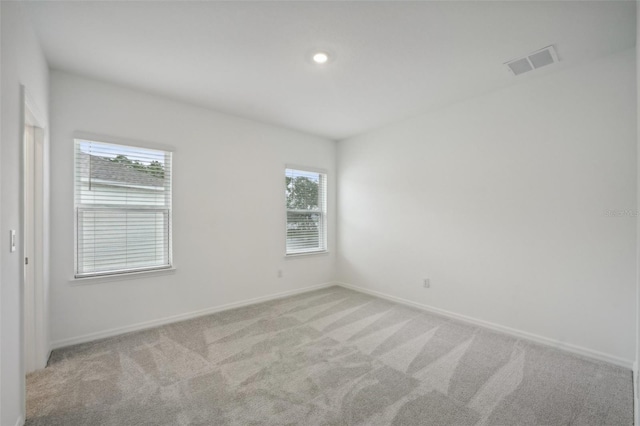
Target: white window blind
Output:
[
  {"x": 123, "y": 208},
  {"x": 306, "y": 199}
]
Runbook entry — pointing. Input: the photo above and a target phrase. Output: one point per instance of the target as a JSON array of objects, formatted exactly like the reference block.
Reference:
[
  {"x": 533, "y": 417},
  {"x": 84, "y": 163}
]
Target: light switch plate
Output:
[{"x": 12, "y": 240}]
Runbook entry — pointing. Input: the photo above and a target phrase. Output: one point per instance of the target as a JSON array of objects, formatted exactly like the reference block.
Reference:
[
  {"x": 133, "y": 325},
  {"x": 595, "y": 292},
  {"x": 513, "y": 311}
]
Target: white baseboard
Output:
[
  {"x": 579, "y": 350},
  {"x": 20, "y": 421},
  {"x": 486, "y": 324},
  {"x": 180, "y": 317}
]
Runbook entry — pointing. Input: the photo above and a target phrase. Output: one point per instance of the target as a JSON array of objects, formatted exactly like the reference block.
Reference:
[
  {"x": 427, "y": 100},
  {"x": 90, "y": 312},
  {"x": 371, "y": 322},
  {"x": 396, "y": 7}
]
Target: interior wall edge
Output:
[{"x": 636, "y": 377}]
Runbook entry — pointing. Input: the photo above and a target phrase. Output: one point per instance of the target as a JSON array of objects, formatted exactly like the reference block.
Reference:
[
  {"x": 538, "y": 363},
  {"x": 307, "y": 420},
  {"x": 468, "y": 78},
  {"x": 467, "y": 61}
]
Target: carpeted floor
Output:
[{"x": 329, "y": 357}]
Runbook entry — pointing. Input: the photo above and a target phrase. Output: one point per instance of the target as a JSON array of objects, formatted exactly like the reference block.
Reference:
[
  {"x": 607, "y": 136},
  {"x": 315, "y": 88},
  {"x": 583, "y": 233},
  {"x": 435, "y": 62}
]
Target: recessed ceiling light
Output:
[{"x": 320, "y": 58}]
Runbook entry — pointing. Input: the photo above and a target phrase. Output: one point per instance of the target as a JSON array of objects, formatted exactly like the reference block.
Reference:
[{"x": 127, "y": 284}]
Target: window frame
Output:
[
  {"x": 324, "y": 237},
  {"x": 129, "y": 272}
]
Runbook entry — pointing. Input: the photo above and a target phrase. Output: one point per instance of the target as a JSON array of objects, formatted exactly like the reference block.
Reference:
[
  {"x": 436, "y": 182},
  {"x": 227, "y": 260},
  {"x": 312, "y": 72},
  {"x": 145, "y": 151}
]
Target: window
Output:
[
  {"x": 122, "y": 208},
  {"x": 306, "y": 197}
]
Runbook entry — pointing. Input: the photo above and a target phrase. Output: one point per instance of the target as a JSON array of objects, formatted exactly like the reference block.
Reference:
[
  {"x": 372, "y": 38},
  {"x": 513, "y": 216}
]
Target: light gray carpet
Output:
[{"x": 330, "y": 357}]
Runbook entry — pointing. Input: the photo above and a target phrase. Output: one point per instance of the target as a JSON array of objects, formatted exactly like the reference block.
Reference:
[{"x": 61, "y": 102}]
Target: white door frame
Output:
[{"x": 36, "y": 347}]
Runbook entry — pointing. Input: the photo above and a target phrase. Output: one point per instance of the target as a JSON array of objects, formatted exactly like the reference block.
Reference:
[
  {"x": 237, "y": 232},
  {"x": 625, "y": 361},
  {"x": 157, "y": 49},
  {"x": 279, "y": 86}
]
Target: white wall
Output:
[
  {"x": 637, "y": 358},
  {"x": 1, "y": 200},
  {"x": 229, "y": 217},
  {"x": 22, "y": 63},
  {"x": 500, "y": 200}
]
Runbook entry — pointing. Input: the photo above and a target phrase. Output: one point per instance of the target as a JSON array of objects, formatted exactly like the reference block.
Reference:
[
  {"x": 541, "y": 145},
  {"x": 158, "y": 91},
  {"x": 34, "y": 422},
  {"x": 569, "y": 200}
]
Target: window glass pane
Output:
[
  {"x": 302, "y": 191},
  {"x": 117, "y": 175}
]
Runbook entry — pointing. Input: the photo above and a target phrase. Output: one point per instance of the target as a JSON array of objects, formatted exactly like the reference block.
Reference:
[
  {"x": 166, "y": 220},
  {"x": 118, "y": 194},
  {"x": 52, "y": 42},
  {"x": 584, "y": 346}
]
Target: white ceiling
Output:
[{"x": 391, "y": 59}]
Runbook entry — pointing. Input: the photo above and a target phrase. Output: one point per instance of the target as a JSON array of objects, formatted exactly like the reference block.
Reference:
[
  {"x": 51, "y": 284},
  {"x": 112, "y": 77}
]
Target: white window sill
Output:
[
  {"x": 121, "y": 277},
  {"x": 306, "y": 254}
]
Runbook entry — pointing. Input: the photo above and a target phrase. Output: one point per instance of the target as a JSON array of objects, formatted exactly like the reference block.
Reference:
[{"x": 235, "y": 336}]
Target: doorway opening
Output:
[{"x": 35, "y": 332}]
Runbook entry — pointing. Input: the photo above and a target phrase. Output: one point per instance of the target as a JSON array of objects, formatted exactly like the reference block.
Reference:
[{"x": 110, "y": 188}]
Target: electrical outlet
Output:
[{"x": 426, "y": 283}]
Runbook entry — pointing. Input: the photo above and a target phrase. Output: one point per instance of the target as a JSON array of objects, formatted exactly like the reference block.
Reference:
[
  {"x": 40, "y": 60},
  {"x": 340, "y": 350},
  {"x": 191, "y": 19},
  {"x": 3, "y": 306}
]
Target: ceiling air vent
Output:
[{"x": 533, "y": 61}]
